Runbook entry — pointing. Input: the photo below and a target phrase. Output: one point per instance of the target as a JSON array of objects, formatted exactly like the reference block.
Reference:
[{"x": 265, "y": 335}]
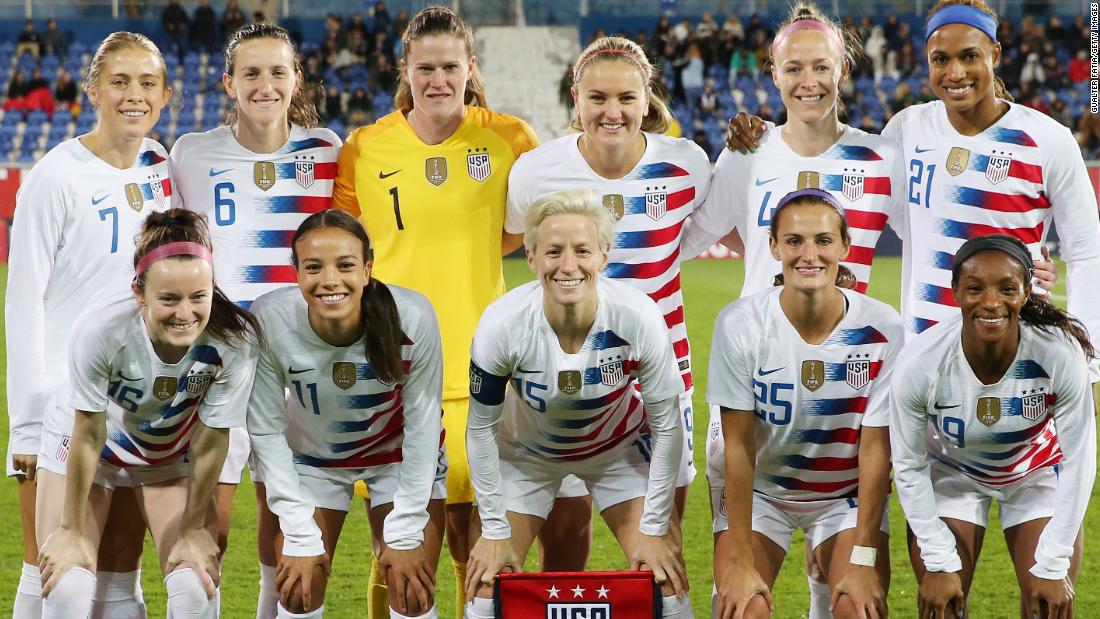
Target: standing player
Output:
[
  {"x": 649, "y": 182},
  {"x": 256, "y": 179},
  {"x": 994, "y": 403},
  {"x": 979, "y": 164},
  {"x": 429, "y": 181},
  {"x": 363, "y": 364},
  {"x": 159, "y": 375},
  {"x": 77, "y": 214},
  {"x": 800, "y": 374},
  {"x": 576, "y": 347}
]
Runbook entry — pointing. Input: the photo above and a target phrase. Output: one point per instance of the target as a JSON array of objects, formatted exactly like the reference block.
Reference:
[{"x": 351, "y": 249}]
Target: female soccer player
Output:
[
  {"x": 77, "y": 213},
  {"x": 363, "y": 365},
  {"x": 995, "y": 403},
  {"x": 429, "y": 182},
  {"x": 576, "y": 347},
  {"x": 650, "y": 182},
  {"x": 159, "y": 376},
  {"x": 800, "y": 374},
  {"x": 256, "y": 179}
]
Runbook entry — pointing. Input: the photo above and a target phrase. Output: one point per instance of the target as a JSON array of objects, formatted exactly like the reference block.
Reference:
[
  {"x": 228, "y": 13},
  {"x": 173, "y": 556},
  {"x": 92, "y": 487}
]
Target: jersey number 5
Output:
[{"x": 769, "y": 395}]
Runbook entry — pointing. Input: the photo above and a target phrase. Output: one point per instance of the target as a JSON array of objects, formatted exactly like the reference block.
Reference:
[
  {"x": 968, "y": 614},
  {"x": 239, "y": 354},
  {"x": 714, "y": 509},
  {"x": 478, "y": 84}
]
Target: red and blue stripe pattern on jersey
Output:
[
  {"x": 644, "y": 270},
  {"x": 878, "y": 185},
  {"x": 602, "y": 340},
  {"x": 839, "y": 371},
  {"x": 851, "y": 152},
  {"x": 1010, "y": 136},
  {"x": 635, "y": 205},
  {"x": 652, "y": 171},
  {"x": 848, "y": 436},
  {"x": 303, "y": 205},
  {"x": 267, "y": 274},
  {"x": 297, "y": 146},
  {"x": 1027, "y": 368},
  {"x": 321, "y": 171},
  {"x": 993, "y": 201},
  {"x": 856, "y": 337},
  {"x": 835, "y": 406},
  {"x": 648, "y": 238},
  {"x": 966, "y": 231},
  {"x": 269, "y": 239},
  {"x": 936, "y": 294},
  {"x": 606, "y": 410},
  {"x": 1016, "y": 169},
  {"x": 165, "y": 188},
  {"x": 840, "y": 489},
  {"x": 150, "y": 157}
]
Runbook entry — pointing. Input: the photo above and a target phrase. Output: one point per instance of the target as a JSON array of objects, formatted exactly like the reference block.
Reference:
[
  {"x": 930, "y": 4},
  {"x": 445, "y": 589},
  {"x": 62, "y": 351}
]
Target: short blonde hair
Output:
[{"x": 583, "y": 202}]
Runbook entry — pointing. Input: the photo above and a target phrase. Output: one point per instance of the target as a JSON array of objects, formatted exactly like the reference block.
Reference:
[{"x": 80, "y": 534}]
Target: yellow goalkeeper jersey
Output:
[{"x": 435, "y": 214}]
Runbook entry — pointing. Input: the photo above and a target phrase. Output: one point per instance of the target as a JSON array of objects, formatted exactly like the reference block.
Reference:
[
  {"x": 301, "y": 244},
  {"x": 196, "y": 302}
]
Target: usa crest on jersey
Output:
[
  {"x": 157, "y": 187},
  {"x": 477, "y": 164},
  {"x": 858, "y": 372},
  {"x": 997, "y": 170},
  {"x": 303, "y": 171},
  {"x": 1034, "y": 406},
  {"x": 611, "y": 371},
  {"x": 198, "y": 383},
  {"x": 656, "y": 203},
  {"x": 853, "y": 186}
]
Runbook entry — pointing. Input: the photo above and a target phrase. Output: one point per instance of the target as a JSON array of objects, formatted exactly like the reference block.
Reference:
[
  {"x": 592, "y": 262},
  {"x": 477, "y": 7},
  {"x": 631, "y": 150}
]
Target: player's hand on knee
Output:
[
  {"x": 744, "y": 132},
  {"x": 737, "y": 585},
  {"x": 941, "y": 596},
  {"x": 657, "y": 553},
  {"x": 488, "y": 558},
  {"x": 863, "y": 588},
  {"x": 1047, "y": 599},
  {"x": 64, "y": 549},
  {"x": 411, "y": 580},
  {"x": 1045, "y": 274},
  {"x": 26, "y": 464},
  {"x": 198, "y": 550},
  {"x": 295, "y": 576}
]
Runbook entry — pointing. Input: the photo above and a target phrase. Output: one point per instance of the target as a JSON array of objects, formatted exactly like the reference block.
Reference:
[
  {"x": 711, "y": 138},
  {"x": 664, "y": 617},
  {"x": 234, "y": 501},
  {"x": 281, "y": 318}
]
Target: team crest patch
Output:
[
  {"x": 133, "y": 196},
  {"x": 997, "y": 170},
  {"x": 989, "y": 410},
  {"x": 813, "y": 374},
  {"x": 613, "y": 202},
  {"x": 611, "y": 371},
  {"x": 957, "y": 160},
  {"x": 198, "y": 383},
  {"x": 569, "y": 381},
  {"x": 303, "y": 171},
  {"x": 475, "y": 381},
  {"x": 578, "y": 610},
  {"x": 62, "y": 453},
  {"x": 343, "y": 374},
  {"x": 852, "y": 184},
  {"x": 656, "y": 202},
  {"x": 1034, "y": 406},
  {"x": 263, "y": 174},
  {"x": 435, "y": 170},
  {"x": 164, "y": 387},
  {"x": 858, "y": 371},
  {"x": 157, "y": 187},
  {"x": 809, "y": 180},
  {"x": 477, "y": 164}
]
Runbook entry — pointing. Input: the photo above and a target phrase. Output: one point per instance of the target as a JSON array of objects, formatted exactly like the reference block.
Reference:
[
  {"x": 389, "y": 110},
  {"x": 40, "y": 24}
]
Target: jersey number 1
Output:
[{"x": 397, "y": 208}]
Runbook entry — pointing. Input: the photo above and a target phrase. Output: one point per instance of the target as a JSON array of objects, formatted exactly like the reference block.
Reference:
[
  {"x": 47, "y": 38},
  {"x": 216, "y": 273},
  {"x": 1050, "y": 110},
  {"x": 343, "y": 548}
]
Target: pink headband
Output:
[
  {"x": 622, "y": 52},
  {"x": 807, "y": 24},
  {"x": 181, "y": 248}
]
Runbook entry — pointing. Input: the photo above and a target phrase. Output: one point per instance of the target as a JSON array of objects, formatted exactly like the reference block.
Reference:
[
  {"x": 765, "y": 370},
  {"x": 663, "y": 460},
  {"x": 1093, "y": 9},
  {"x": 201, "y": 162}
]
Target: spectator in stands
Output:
[
  {"x": 866, "y": 25},
  {"x": 755, "y": 27},
  {"x": 360, "y": 108},
  {"x": 701, "y": 140},
  {"x": 733, "y": 26},
  {"x": 742, "y": 62},
  {"x": 232, "y": 19},
  {"x": 708, "y": 101},
  {"x": 400, "y": 21},
  {"x": 53, "y": 40},
  {"x": 1035, "y": 101},
  {"x": 1060, "y": 111},
  {"x": 17, "y": 92},
  {"x": 1078, "y": 67},
  {"x": 1088, "y": 135},
  {"x": 356, "y": 23},
  {"x": 175, "y": 22},
  {"x": 1032, "y": 71},
  {"x": 65, "y": 92},
  {"x": 707, "y": 27},
  {"x": 1081, "y": 40},
  {"x": 28, "y": 41},
  {"x": 565, "y": 92},
  {"x": 903, "y": 98},
  {"x": 385, "y": 79},
  {"x": 204, "y": 28},
  {"x": 333, "y": 110},
  {"x": 335, "y": 36},
  {"x": 681, "y": 32},
  {"x": 382, "y": 20},
  {"x": 890, "y": 30},
  {"x": 691, "y": 73},
  {"x": 1054, "y": 76},
  {"x": 662, "y": 32},
  {"x": 908, "y": 63}
]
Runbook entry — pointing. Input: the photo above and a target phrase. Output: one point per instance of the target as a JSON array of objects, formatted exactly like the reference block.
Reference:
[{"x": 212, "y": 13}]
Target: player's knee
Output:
[
  {"x": 186, "y": 595},
  {"x": 757, "y": 608}
]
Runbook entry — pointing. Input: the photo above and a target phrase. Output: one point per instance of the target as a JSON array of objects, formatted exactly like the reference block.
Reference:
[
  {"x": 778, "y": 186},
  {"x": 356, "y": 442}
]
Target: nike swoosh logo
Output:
[
  {"x": 760, "y": 183},
  {"x": 291, "y": 370},
  {"x": 214, "y": 172},
  {"x": 923, "y": 150},
  {"x": 96, "y": 201},
  {"x": 940, "y": 407},
  {"x": 128, "y": 379},
  {"x": 523, "y": 371},
  {"x": 762, "y": 372},
  {"x": 383, "y": 175}
]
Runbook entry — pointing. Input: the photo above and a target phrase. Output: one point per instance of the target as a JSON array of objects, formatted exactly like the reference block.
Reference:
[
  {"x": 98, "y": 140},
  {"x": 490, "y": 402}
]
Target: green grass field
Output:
[{"x": 708, "y": 286}]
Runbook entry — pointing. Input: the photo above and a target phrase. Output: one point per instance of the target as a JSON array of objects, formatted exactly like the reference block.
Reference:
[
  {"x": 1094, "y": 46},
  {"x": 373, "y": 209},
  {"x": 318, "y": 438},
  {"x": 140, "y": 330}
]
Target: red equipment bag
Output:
[{"x": 577, "y": 595}]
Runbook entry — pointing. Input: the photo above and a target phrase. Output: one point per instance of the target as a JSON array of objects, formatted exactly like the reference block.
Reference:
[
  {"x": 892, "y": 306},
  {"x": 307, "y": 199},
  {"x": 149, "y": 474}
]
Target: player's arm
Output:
[
  {"x": 510, "y": 243},
  {"x": 344, "y": 195},
  {"x": 717, "y": 214}
]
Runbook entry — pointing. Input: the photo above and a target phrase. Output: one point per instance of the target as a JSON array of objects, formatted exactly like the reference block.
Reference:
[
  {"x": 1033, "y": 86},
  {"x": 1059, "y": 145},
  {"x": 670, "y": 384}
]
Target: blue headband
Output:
[
  {"x": 961, "y": 14},
  {"x": 820, "y": 194}
]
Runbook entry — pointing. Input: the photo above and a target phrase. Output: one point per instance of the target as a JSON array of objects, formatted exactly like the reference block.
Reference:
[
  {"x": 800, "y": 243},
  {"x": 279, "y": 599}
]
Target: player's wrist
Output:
[{"x": 865, "y": 556}]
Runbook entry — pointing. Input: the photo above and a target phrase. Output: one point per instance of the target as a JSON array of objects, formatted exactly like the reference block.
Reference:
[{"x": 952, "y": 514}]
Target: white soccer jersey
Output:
[
  {"x": 254, "y": 201},
  {"x": 572, "y": 407},
  {"x": 152, "y": 407},
  {"x": 1017, "y": 177},
  {"x": 1039, "y": 414},
  {"x": 811, "y": 399},
  {"x": 860, "y": 170},
  {"x": 72, "y": 242},
  {"x": 650, "y": 205},
  {"x": 341, "y": 416}
]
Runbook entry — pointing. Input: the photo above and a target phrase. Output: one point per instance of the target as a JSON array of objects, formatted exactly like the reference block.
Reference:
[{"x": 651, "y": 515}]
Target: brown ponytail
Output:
[
  {"x": 1043, "y": 314},
  {"x": 437, "y": 20},
  {"x": 228, "y": 322},
  {"x": 380, "y": 319},
  {"x": 303, "y": 108}
]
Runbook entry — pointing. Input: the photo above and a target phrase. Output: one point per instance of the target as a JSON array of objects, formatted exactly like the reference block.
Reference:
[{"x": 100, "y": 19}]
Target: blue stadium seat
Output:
[
  {"x": 49, "y": 61},
  {"x": 77, "y": 48},
  {"x": 338, "y": 128},
  {"x": 210, "y": 121},
  {"x": 36, "y": 118},
  {"x": 11, "y": 119}
]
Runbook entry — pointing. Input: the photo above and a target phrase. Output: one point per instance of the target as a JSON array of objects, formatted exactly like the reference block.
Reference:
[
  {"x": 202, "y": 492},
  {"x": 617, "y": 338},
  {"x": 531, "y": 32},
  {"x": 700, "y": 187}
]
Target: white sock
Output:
[
  {"x": 282, "y": 613},
  {"x": 673, "y": 607},
  {"x": 28, "y": 596},
  {"x": 118, "y": 596},
  {"x": 431, "y": 614},
  {"x": 72, "y": 597},
  {"x": 479, "y": 608},
  {"x": 186, "y": 597},
  {"x": 819, "y": 599},
  {"x": 269, "y": 593}
]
